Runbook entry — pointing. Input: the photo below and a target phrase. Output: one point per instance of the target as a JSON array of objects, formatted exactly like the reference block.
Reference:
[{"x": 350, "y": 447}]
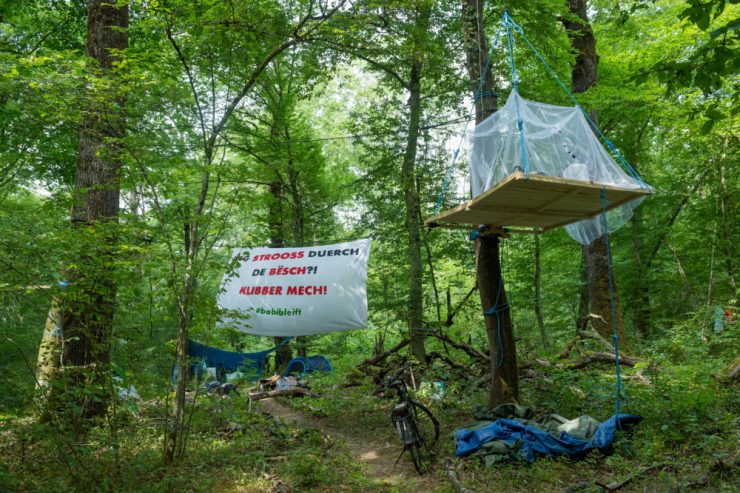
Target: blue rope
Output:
[
  {"x": 485, "y": 94},
  {"x": 478, "y": 94},
  {"x": 620, "y": 385},
  {"x": 515, "y": 88},
  {"x": 282, "y": 343},
  {"x": 608, "y": 142},
  {"x": 475, "y": 234},
  {"x": 496, "y": 310}
]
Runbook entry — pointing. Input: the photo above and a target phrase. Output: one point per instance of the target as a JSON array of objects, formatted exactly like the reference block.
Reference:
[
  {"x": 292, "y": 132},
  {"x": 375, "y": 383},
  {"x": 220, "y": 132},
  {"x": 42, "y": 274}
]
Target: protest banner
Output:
[{"x": 297, "y": 291}]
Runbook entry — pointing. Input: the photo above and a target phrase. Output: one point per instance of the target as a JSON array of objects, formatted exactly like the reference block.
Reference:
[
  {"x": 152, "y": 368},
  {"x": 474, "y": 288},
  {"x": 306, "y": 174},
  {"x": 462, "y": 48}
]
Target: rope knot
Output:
[{"x": 496, "y": 310}]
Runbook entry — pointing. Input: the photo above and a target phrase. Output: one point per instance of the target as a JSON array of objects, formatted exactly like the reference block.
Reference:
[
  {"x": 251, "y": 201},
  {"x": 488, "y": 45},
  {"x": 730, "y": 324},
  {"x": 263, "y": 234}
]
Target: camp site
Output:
[{"x": 407, "y": 246}]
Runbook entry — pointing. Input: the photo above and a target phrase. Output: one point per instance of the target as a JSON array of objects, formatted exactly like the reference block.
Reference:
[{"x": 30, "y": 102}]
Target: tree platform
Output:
[{"x": 536, "y": 201}]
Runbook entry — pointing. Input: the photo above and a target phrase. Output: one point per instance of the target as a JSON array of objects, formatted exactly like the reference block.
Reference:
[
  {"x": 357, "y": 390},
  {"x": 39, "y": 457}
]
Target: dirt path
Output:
[{"x": 369, "y": 447}]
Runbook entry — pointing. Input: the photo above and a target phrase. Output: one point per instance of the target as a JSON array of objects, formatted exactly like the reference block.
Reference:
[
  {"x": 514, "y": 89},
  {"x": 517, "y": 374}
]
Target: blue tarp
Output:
[
  {"x": 228, "y": 361},
  {"x": 533, "y": 440}
]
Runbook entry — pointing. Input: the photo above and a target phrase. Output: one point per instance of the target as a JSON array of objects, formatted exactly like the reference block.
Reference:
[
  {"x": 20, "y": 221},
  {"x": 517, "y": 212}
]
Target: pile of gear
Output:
[{"x": 510, "y": 432}]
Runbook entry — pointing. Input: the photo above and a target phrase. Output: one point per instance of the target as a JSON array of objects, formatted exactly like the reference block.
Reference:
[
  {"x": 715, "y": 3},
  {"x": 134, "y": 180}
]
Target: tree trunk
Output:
[
  {"x": 585, "y": 75},
  {"x": 49, "y": 360},
  {"x": 298, "y": 222},
  {"x": 275, "y": 215},
  {"x": 642, "y": 307},
  {"x": 176, "y": 436},
  {"x": 476, "y": 56},
  {"x": 88, "y": 302},
  {"x": 408, "y": 178},
  {"x": 727, "y": 212},
  {"x": 174, "y": 443},
  {"x": 538, "y": 292},
  {"x": 275, "y": 223},
  {"x": 499, "y": 328},
  {"x": 582, "y": 320},
  {"x": 597, "y": 280}
]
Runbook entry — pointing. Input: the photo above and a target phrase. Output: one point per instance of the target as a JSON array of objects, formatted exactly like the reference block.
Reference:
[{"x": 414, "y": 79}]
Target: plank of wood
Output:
[{"x": 529, "y": 201}]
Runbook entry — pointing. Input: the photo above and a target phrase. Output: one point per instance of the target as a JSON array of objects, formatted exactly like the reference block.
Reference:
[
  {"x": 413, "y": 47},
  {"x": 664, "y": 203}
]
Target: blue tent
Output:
[{"x": 307, "y": 365}]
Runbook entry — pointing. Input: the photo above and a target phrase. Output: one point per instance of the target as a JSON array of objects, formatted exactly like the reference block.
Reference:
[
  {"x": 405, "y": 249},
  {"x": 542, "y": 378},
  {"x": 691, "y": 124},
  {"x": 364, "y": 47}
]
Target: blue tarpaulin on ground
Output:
[{"x": 532, "y": 440}]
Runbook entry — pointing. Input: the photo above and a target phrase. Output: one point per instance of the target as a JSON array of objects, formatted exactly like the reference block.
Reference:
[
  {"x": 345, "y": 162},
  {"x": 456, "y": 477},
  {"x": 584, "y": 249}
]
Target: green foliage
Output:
[{"x": 325, "y": 120}]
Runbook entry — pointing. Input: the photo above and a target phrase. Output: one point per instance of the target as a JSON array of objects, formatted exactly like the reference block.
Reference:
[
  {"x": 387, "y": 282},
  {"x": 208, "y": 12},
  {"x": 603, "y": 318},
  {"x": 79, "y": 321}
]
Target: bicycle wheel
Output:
[
  {"x": 416, "y": 456},
  {"x": 427, "y": 427},
  {"x": 406, "y": 428}
]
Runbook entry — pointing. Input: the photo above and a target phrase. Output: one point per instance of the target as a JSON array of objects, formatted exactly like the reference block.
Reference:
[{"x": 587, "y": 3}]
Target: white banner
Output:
[{"x": 298, "y": 291}]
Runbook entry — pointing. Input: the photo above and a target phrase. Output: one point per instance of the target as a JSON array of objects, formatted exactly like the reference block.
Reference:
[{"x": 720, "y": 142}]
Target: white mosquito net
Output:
[{"x": 559, "y": 142}]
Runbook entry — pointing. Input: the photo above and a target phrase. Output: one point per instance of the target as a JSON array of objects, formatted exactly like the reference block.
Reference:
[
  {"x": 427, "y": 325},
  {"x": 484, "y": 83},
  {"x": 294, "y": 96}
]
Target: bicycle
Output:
[{"x": 414, "y": 423}]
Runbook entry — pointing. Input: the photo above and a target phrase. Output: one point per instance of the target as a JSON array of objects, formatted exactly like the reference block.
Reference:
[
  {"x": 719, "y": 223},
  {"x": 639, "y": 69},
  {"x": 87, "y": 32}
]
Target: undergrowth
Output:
[{"x": 688, "y": 439}]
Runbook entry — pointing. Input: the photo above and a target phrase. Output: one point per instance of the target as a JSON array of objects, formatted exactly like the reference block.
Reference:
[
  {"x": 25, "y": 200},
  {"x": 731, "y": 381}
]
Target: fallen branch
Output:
[
  {"x": 470, "y": 350},
  {"x": 595, "y": 336},
  {"x": 587, "y": 334},
  {"x": 450, "y": 362},
  {"x": 576, "y": 365},
  {"x": 638, "y": 377},
  {"x": 568, "y": 348},
  {"x": 456, "y": 484},
  {"x": 294, "y": 391},
  {"x": 535, "y": 362},
  {"x": 382, "y": 356},
  {"x": 451, "y": 314},
  {"x": 600, "y": 358}
]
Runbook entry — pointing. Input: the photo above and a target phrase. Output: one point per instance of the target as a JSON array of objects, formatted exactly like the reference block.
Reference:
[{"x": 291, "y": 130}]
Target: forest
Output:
[{"x": 148, "y": 148}]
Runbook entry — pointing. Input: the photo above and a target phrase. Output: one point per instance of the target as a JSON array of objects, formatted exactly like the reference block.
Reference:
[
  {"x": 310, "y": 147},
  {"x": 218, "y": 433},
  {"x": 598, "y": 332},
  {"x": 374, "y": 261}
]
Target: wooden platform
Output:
[{"x": 537, "y": 201}]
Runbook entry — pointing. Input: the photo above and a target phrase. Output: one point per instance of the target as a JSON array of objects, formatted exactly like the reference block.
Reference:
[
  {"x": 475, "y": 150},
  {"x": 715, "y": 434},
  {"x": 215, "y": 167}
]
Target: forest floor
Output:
[
  {"x": 340, "y": 440},
  {"x": 373, "y": 449}
]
